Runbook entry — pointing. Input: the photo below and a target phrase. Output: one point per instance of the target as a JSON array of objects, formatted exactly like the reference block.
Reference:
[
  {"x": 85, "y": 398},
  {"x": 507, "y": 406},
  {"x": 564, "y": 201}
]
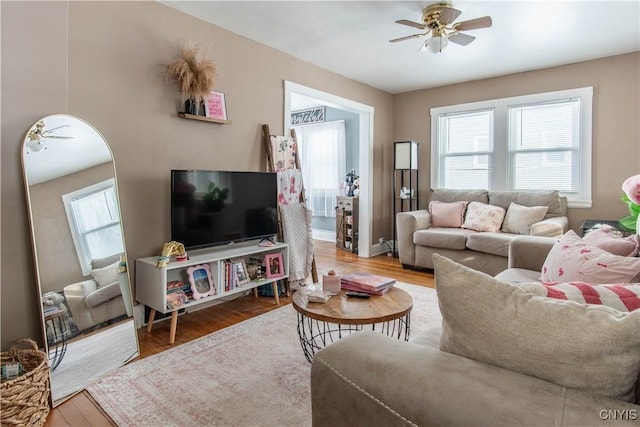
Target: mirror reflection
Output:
[{"x": 79, "y": 252}]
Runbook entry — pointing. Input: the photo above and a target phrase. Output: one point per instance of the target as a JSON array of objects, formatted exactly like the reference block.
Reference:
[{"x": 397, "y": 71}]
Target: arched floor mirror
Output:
[{"x": 79, "y": 252}]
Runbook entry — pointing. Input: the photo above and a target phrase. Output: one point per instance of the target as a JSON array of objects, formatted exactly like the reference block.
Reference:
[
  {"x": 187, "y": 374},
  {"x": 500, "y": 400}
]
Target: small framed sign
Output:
[
  {"x": 275, "y": 265},
  {"x": 201, "y": 281},
  {"x": 240, "y": 271},
  {"x": 215, "y": 106}
]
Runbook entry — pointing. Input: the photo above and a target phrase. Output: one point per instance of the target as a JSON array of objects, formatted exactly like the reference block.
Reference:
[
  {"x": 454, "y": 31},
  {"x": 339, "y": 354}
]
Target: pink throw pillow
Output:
[
  {"x": 604, "y": 238},
  {"x": 621, "y": 296},
  {"x": 447, "y": 214},
  {"x": 571, "y": 259},
  {"x": 483, "y": 217}
]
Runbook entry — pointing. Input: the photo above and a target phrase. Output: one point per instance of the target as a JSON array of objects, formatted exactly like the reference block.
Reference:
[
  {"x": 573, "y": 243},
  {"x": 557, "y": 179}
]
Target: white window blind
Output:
[
  {"x": 466, "y": 146},
  {"x": 531, "y": 142},
  {"x": 544, "y": 143},
  {"x": 94, "y": 220}
]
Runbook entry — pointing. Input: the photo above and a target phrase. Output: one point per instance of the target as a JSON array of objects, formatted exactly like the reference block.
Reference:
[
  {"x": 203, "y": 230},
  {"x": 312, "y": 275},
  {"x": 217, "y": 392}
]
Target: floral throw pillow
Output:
[
  {"x": 572, "y": 259},
  {"x": 483, "y": 217},
  {"x": 447, "y": 214}
]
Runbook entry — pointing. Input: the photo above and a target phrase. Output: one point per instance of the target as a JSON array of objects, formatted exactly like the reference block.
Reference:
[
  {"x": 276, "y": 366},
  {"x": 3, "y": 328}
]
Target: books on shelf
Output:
[
  {"x": 178, "y": 293},
  {"x": 366, "y": 282}
]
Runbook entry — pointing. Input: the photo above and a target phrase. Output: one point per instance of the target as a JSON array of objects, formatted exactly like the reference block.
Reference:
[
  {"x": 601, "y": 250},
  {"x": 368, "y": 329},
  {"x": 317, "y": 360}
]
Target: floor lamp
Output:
[{"x": 406, "y": 194}]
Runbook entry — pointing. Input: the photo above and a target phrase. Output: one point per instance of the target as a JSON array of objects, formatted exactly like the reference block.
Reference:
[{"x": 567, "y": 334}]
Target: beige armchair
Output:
[
  {"x": 99, "y": 299},
  {"x": 91, "y": 305}
]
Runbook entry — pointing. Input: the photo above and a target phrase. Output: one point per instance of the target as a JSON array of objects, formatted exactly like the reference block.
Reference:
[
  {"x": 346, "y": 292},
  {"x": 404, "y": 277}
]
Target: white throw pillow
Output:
[
  {"x": 106, "y": 275},
  {"x": 519, "y": 219},
  {"x": 483, "y": 217},
  {"x": 571, "y": 259}
]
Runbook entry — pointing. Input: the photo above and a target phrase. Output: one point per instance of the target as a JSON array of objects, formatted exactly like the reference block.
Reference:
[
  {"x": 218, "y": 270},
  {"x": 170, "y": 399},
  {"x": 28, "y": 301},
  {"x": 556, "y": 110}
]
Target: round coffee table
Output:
[{"x": 320, "y": 324}]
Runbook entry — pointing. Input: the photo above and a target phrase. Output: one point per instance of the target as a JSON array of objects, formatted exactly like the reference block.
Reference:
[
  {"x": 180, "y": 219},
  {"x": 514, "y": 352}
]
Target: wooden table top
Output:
[{"x": 346, "y": 310}]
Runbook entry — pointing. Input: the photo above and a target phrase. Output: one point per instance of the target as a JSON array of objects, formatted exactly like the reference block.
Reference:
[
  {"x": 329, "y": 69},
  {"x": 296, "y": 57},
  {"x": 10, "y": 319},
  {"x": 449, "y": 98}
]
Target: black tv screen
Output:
[{"x": 211, "y": 208}]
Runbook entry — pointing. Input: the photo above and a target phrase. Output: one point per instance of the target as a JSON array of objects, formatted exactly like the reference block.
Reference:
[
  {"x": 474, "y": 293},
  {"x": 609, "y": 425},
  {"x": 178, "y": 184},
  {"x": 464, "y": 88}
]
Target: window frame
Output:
[
  {"x": 77, "y": 236},
  {"x": 500, "y": 158}
]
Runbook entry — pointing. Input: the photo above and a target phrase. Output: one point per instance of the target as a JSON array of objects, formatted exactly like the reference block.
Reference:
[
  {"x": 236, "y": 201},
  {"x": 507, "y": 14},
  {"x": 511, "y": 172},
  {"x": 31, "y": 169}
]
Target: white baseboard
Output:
[{"x": 325, "y": 235}]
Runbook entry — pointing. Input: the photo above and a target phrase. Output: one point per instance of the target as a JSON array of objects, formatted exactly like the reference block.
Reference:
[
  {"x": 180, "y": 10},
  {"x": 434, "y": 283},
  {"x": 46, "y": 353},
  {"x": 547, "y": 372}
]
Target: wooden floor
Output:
[{"x": 82, "y": 410}]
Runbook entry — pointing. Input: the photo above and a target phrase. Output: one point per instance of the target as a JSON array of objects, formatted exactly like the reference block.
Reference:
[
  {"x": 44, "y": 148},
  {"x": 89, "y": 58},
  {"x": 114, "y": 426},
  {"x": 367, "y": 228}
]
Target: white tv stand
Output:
[{"x": 151, "y": 281}]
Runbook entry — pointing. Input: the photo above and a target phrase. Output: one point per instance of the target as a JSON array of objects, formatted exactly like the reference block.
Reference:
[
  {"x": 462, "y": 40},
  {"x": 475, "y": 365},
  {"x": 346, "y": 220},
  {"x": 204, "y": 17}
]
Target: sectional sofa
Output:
[{"x": 467, "y": 227}]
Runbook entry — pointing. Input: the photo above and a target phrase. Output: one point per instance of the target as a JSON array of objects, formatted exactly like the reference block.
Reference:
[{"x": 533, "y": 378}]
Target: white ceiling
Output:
[
  {"x": 81, "y": 148},
  {"x": 351, "y": 37}
]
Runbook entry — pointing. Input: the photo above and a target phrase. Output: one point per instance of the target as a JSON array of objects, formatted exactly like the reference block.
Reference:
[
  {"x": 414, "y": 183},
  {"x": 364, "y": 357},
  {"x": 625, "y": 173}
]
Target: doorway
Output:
[{"x": 294, "y": 95}]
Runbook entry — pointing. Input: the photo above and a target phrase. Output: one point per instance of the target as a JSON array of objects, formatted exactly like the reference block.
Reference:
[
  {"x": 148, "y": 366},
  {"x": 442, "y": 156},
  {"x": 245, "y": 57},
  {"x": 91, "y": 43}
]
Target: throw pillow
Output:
[
  {"x": 604, "y": 238},
  {"x": 106, "y": 275},
  {"x": 589, "y": 348},
  {"x": 447, "y": 214},
  {"x": 483, "y": 217},
  {"x": 571, "y": 259},
  {"x": 519, "y": 219},
  {"x": 621, "y": 296}
]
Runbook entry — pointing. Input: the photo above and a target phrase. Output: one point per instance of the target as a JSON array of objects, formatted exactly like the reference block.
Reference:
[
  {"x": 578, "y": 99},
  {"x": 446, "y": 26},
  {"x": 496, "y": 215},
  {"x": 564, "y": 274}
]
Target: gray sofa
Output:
[
  {"x": 482, "y": 251},
  {"x": 368, "y": 379}
]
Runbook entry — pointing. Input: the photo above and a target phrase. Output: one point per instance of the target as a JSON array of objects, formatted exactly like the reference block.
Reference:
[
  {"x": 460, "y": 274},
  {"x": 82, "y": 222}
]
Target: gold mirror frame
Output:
[{"x": 87, "y": 305}]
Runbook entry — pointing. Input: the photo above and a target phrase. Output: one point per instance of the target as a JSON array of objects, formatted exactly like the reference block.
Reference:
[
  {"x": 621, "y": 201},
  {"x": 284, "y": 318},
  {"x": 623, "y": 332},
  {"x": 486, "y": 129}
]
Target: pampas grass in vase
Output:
[{"x": 194, "y": 76}]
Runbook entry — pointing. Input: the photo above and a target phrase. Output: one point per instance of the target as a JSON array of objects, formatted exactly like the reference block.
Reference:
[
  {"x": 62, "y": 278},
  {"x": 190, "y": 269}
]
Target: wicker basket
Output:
[{"x": 24, "y": 400}]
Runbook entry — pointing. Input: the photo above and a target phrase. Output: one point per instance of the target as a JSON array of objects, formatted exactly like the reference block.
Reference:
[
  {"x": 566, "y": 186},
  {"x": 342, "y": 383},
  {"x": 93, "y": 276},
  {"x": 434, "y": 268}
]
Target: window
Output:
[
  {"x": 531, "y": 142},
  {"x": 94, "y": 220},
  {"x": 322, "y": 160}
]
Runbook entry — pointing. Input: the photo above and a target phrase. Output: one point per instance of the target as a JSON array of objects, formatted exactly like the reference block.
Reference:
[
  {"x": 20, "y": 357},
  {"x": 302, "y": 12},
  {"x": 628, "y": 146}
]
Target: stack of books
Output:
[{"x": 367, "y": 282}]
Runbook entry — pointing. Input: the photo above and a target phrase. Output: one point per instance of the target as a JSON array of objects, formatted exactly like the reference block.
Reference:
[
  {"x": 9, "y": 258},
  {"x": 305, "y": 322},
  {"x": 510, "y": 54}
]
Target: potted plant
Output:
[{"x": 194, "y": 76}]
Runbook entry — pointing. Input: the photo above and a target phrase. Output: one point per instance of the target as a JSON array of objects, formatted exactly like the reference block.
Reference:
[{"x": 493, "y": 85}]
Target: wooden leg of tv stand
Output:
[
  {"x": 255, "y": 292},
  {"x": 275, "y": 292},
  {"x": 152, "y": 316},
  {"x": 174, "y": 326}
]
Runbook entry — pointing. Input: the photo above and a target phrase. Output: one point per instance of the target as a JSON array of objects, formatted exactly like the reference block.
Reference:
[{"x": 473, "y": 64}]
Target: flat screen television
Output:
[{"x": 210, "y": 208}]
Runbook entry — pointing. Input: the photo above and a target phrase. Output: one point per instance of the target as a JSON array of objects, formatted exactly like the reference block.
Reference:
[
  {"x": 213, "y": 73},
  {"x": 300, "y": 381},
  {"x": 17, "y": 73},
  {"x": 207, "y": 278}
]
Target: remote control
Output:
[{"x": 357, "y": 294}]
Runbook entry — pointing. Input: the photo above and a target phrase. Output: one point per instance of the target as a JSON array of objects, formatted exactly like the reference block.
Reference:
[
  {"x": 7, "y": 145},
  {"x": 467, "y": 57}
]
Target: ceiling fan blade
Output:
[
  {"x": 411, "y": 24},
  {"x": 413, "y": 36},
  {"x": 473, "y": 24},
  {"x": 461, "y": 38},
  {"x": 448, "y": 15}
]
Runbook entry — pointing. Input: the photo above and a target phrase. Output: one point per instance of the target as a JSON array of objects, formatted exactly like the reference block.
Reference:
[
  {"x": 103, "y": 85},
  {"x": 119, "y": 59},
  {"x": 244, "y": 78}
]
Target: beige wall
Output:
[
  {"x": 58, "y": 58},
  {"x": 616, "y": 114},
  {"x": 110, "y": 73}
]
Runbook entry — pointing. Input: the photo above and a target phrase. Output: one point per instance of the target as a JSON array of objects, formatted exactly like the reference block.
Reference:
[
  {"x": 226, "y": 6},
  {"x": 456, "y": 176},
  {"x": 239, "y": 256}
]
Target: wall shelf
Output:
[{"x": 203, "y": 118}]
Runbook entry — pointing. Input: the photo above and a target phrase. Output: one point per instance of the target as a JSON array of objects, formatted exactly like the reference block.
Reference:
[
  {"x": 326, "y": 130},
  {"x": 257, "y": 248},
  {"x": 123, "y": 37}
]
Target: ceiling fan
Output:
[
  {"x": 37, "y": 133},
  {"x": 437, "y": 19}
]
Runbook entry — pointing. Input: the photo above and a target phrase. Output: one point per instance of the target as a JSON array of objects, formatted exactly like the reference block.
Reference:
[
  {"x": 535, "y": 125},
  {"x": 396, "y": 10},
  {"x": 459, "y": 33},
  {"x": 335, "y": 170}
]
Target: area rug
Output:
[{"x": 250, "y": 374}]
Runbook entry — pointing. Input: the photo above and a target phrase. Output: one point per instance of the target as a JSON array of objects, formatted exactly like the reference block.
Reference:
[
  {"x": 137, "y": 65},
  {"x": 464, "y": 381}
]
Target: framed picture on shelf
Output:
[
  {"x": 240, "y": 271},
  {"x": 274, "y": 265},
  {"x": 201, "y": 281},
  {"x": 215, "y": 106}
]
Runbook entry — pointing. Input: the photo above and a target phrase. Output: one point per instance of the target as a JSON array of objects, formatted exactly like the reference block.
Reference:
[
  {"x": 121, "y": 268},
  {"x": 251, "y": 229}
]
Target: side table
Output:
[
  {"x": 57, "y": 342},
  {"x": 594, "y": 224},
  {"x": 320, "y": 324}
]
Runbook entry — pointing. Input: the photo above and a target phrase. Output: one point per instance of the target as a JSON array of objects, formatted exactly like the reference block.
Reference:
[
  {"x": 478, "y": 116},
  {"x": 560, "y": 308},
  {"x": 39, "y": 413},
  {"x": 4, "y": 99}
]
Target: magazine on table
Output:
[
  {"x": 357, "y": 288},
  {"x": 367, "y": 281}
]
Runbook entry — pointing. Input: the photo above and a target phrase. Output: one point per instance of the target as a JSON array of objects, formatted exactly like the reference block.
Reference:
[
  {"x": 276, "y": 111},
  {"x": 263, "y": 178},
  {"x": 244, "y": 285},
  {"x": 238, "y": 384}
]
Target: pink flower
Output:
[{"x": 631, "y": 187}]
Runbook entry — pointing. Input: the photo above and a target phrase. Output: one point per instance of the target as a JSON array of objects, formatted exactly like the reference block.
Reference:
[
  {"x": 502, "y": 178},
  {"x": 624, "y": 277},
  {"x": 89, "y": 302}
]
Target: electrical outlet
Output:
[{"x": 381, "y": 241}]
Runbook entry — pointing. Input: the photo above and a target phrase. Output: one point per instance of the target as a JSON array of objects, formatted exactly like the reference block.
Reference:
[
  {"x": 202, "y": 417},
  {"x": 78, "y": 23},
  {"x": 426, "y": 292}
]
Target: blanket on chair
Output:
[{"x": 296, "y": 231}]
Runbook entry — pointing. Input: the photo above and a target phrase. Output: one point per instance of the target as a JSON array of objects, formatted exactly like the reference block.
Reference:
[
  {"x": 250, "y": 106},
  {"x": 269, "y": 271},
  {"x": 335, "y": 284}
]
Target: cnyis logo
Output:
[{"x": 619, "y": 414}]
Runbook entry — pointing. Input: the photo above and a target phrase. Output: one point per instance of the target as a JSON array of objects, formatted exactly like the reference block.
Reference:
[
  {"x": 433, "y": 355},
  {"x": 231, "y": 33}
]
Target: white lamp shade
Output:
[
  {"x": 437, "y": 44},
  {"x": 406, "y": 155}
]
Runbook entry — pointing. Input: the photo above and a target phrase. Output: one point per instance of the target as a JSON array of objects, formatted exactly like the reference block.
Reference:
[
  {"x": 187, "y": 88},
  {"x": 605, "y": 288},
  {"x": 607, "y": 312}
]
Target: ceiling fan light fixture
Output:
[
  {"x": 35, "y": 145},
  {"x": 437, "y": 44}
]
